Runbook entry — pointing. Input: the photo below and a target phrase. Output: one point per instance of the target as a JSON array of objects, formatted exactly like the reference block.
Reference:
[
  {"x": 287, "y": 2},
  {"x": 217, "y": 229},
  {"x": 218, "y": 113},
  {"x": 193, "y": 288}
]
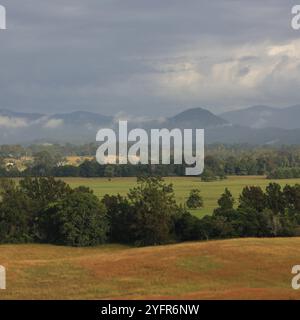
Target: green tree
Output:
[
  {"x": 109, "y": 171},
  {"x": 253, "y": 197},
  {"x": 16, "y": 216},
  {"x": 225, "y": 202},
  {"x": 275, "y": 198},
  {"x": 44, "y": 162},
  {"x": 194, "y": 200},
  {"x": 292, "y": 197},
  {"x": 44, "y": 190},
  {"x": 186, "y": 226},
  {"x": 77, "y": 220},
  {"x": 90, "y": 169},
  {"x": 208, "y": 175},
  {"x": 122, "y": 219},
  {"x": 154, "y": 204}
]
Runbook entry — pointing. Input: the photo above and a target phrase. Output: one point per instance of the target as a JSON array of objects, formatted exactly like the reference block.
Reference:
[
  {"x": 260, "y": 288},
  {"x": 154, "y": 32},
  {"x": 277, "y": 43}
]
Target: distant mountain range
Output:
[
  {"x": 255, "y": 125},
  {"x": 265, "y": 117}
]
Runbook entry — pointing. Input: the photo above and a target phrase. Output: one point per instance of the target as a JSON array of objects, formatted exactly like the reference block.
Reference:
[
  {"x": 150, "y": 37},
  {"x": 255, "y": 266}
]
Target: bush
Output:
[
  {"x": 16, "y": 216},
  {"x": 186, "y": 226},
  {"x": 194, "y": 200},
  {"x": 43, "y": 191},
  {"x": 77, "y": 220},
  {"x": 253, "y": 197},
  {"x": 208, "y": 176},
  {"x": 122, "y": 219},
  {"x": 153, "y": 203}
]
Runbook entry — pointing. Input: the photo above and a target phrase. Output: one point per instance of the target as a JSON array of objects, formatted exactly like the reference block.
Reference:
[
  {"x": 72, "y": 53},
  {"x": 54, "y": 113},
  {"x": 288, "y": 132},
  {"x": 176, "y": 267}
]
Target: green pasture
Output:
[{"x": 210, "y": 191}]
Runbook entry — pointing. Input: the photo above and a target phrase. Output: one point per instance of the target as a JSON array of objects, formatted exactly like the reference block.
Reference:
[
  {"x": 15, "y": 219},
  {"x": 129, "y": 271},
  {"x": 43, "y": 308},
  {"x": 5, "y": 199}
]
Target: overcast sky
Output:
[{"x": 148, "y": 57}]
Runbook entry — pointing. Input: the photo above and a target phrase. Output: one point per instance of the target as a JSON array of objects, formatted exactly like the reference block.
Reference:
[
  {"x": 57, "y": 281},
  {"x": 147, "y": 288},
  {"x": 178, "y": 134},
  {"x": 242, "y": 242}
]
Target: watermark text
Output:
[
  {"x": 296, "y": 17},
  {"x": 2, "y": 278},
  {"x": 2, "y": 18},
  {"x": 296, "y": 278},
  {"x": 174, "y": 146}
]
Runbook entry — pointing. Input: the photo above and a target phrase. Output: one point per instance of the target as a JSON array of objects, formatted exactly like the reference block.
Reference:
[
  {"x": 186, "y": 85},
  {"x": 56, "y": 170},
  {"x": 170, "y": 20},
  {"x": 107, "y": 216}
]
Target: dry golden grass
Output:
[
  {"x": 230, "y": 269},
  {"x": 76, "y": 160}
]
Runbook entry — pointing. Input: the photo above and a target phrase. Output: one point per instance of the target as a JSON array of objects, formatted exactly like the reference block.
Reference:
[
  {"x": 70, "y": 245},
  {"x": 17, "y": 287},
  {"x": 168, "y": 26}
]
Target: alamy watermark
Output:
[
  {"x": 174, "y": 146},
  {"x": 2, "y": 278},
  {"x": 2, "y": 18},
  {"x": 296, "y": 278},
  {"x": 296, "y": 17}
]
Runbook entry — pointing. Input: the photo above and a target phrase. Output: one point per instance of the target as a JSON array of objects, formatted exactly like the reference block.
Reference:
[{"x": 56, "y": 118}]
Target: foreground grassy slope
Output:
[
  {"x": 242, "y": 268},
  {"x": 211, "y": 191}
]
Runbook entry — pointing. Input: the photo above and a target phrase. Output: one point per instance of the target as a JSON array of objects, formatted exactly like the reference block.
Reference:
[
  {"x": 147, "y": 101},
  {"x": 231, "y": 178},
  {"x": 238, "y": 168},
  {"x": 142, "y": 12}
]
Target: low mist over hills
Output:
[{"x": 255, "y": 125}]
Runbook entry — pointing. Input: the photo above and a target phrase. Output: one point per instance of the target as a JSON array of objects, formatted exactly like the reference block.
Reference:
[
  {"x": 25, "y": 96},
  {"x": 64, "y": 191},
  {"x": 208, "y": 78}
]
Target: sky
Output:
[{"x": 148, "y": 58}]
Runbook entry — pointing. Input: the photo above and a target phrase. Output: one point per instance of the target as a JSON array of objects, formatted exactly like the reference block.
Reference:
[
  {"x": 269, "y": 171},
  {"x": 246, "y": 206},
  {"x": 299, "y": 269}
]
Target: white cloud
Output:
[
  {"x": 231, "y": 76},
  {"x": 123, "y": 116},
  {"x": 291, "y": 50},
  {"x": 12, "y": 122},
  {"x": 54, "y": 123}
]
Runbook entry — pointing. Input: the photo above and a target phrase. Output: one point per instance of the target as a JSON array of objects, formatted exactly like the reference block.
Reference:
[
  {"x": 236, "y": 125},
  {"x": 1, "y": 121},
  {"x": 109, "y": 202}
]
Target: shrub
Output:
[
  {"x": 16, "y": 216},
  {"x": 194, "y": 200},
  {"x": 122, "y": 219},
  {"x": 77, "y": 220},
  {"x": 153, "y": 204}
]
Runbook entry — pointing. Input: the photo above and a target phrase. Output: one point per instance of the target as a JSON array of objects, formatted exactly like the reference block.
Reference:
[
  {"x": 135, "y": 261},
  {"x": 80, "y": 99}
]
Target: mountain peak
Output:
[{"x": 197, "y": 117}]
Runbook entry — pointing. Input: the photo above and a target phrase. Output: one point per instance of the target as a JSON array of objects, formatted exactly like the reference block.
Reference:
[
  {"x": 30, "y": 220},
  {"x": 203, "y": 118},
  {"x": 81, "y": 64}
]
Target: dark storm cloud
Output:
[{"x": 146, "y": 57}]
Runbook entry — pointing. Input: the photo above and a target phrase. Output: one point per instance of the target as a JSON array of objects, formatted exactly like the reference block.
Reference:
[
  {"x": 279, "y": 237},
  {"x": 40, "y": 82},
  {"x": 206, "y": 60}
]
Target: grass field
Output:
[
  {"x": 211, "y": 191},
  {"x": 229, "y": 269}
]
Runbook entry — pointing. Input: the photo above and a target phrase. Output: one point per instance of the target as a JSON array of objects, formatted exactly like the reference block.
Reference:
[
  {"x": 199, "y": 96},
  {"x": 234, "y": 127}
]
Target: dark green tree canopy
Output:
[
  {"x": 253, "y": 197},
  {"x": 194, "y": 200},
  {"x": 77, "y": 220}
]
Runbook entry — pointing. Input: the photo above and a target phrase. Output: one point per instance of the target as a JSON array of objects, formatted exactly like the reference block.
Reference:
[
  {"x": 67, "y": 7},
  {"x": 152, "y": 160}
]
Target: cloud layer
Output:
[{"x": 147, "y": 58}]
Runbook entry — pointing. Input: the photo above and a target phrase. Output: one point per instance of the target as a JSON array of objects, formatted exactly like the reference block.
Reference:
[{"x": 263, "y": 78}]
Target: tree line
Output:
[
  {"x": 47, "y": 210},
  {"x": 285, "y": 173},
  {"x": 220, "y": 161}
]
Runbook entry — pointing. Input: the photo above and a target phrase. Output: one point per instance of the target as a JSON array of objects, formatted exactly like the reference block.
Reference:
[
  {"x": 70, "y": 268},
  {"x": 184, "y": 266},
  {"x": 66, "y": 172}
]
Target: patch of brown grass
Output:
[{"x": 231, "y": 269}]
